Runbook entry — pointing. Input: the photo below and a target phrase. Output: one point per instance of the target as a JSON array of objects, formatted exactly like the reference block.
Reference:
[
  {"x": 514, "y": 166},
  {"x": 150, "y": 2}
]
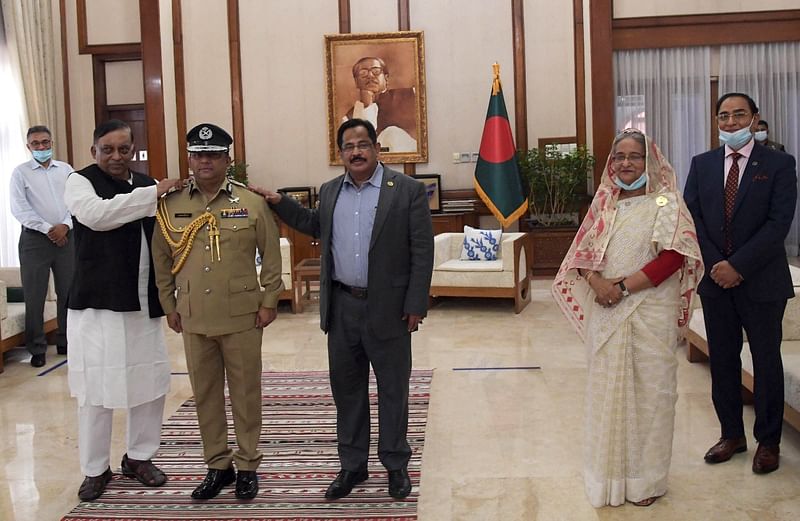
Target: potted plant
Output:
[
  {"x": 238, "y": 172},
  {"x": 557, "y": 183}
]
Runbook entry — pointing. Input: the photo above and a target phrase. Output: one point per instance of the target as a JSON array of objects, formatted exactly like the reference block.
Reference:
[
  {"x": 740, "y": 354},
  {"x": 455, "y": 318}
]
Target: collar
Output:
[
  {"x": 375, "y": 179},
  {"x": 745, "y": 151},
  {"x": 34, "y": 164},
  {"x": 227, "y": 186}
]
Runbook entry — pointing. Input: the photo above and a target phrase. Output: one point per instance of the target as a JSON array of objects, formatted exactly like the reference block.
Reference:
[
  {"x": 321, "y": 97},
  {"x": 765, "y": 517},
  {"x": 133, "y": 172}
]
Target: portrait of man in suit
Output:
[
  {"x": 380, "y": 78},
  {"x": 376, "y": 237},
  {"x": 742, "y": 196}
]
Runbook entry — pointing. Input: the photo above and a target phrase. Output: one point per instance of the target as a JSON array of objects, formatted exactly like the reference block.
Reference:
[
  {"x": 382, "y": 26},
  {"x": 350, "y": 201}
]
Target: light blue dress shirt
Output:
[
  {"x": 37, "y": 195},
  {"x": 353, "y": 218}
]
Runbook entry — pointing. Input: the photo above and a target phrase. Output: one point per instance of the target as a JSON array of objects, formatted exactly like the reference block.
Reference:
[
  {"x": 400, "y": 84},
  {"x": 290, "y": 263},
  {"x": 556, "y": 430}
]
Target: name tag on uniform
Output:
[
  {"x": 183, "y": 214},
  {"x": 235, "y": 213}
]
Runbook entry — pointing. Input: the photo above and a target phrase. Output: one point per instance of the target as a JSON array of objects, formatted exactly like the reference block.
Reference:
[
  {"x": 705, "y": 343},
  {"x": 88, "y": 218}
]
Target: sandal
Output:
[
  {"x": 94, "y": 486},
  {"x": 645, "y": 502},
  {"x": 143, "y": 471}
]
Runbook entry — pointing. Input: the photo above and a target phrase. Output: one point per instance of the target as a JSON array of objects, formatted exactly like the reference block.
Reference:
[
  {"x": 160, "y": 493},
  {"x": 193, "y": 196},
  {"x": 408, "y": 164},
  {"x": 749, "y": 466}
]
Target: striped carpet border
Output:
[{"x": 298, "y": 440}]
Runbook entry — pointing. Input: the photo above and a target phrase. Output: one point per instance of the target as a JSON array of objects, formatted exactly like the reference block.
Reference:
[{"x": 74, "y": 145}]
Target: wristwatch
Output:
[{"x": 625, "y": 292}]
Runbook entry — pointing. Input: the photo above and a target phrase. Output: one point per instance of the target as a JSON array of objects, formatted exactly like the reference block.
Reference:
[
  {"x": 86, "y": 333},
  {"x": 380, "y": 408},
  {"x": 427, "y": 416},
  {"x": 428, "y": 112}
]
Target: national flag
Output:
[{"x": 497, "y": 178}]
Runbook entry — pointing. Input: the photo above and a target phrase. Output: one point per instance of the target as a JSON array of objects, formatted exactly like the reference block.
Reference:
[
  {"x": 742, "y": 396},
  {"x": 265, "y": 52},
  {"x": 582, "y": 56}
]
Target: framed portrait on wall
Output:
[
  {"x": 305, "y": 195},
  {"x": 379, "y": 77},
  {"x": 433, "y": 190}
]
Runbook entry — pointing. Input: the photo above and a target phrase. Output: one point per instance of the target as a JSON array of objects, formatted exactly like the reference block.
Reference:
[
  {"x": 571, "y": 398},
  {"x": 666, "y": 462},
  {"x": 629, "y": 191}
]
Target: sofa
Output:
[
  {"x": 12, "y": 314},
  {"x": 507, "y": 277},
  {"x": 790, "y": 351}
]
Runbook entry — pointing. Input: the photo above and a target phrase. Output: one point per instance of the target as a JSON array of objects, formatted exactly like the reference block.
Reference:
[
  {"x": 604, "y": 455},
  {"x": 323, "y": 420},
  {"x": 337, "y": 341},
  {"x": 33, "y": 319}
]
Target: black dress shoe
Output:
[
  {"x": 344, "y": 483},
  {"x": 399, "y": 483},
  {"x": 38, "y": 360},
  {"x": 94, "y": 486},
  {"x": 62, "y": 350},
  {"x": 213, "y": 483},
  {"x": 246, "y": 484}
]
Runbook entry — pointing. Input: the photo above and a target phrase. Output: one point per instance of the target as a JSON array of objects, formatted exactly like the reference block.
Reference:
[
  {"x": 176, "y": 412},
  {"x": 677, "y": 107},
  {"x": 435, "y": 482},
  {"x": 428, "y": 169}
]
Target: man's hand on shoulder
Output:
[
  {"x": 269, "y": 195},
  {"x": 166, "y": 186}
]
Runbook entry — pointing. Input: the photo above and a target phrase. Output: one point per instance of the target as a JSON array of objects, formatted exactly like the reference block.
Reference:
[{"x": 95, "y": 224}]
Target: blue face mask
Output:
[
  {"x": 634, "y": 185},
  {"x": 738, "y": 139},
  {"x": 42, "y": 156}
]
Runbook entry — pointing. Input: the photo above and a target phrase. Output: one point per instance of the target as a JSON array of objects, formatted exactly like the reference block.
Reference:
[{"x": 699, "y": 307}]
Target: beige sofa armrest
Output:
[
  {"x": 510, "y": 243},
  {"x": 11, "y": 276},
  {"x": 442, "y": 247},
  {"x": 3, "y": 301}
]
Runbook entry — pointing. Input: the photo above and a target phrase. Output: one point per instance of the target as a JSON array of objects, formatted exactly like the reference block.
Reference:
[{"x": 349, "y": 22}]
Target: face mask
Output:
[
  {"x": 42, "y": 156},
  {"x": 761, "y": 135},
  {"x": 738, "y": 139},
  {"x": 634, "y": 185}
]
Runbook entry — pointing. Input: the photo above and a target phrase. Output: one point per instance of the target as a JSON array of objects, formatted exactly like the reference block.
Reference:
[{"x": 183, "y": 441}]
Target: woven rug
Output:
[{"x": 298, "y": 440}]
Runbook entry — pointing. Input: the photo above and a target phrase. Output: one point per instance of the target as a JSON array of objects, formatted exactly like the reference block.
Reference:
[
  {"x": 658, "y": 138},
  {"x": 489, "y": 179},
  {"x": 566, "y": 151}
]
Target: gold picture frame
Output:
[{"x": 383, "y": 70}]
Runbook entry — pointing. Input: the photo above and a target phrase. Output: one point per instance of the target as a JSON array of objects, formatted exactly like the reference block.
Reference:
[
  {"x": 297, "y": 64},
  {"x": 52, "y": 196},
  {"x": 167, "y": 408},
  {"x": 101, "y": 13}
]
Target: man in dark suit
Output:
[
  {"x": 377, "y": 260},
  {"x": 742, "y": 196}
]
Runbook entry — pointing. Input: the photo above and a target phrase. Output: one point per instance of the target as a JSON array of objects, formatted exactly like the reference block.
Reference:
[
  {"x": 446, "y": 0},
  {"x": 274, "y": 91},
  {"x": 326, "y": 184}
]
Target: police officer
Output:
[{"x": 204, "y": 258}]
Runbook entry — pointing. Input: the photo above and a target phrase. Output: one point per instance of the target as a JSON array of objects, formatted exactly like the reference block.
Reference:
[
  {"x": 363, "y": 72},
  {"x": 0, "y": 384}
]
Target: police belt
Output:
[{"x": 356, "y": 292}]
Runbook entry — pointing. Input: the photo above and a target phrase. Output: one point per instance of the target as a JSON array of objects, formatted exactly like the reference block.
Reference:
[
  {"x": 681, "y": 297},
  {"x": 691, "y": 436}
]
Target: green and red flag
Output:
[{"x": 497, "y": 178}]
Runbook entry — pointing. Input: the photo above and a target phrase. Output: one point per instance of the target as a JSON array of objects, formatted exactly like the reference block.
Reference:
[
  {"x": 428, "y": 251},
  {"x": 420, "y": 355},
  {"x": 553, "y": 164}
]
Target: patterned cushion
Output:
[{"x": 480, "y": 244}]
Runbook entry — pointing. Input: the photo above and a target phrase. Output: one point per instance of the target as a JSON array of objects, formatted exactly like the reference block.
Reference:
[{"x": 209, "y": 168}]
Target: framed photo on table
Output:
[
  {"x": 305, "y": 195},
  {"x": 379, "y": 77},
  {"x": 433, "y": 190}
]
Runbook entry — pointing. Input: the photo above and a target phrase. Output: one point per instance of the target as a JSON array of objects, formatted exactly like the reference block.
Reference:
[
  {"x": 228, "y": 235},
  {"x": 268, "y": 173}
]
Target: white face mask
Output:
[{"x": 761, "y": 135}]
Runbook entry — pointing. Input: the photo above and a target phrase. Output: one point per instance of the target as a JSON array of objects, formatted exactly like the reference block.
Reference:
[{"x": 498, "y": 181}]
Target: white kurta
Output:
[
  {"x": 117, "y": 360},
  {"x": 632, "y": 389}
]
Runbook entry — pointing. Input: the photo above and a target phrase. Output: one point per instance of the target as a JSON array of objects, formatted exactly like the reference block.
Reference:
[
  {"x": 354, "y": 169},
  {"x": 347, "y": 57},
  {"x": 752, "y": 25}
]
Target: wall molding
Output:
[
  {"x": 180, "y": 87},
  {"x": 237, "y": 94},
  {"x": 106, "y": 48},
  {"x": 62, "y": 13}
]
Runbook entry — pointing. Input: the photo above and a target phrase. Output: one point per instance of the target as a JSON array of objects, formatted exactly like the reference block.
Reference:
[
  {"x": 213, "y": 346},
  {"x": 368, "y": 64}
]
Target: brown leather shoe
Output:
[
  {"x": 94, "y": 486},
  {"x": 767, "y": 459},
  {"x": 143, "y": 471},
  {"x": 724, "y": 449}
]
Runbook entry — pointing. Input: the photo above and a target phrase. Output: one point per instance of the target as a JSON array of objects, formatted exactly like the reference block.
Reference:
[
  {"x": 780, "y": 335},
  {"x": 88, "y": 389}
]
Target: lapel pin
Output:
[
  {"x": 233, "y": 200},
  {"x": 390, "y": 183},
  {"x": 754, "y": 163},
  {"x": 661, "y": 200}
]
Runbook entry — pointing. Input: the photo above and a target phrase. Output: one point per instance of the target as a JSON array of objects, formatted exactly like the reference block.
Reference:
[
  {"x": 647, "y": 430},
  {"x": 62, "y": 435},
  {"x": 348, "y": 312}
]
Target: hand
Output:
[
  {"x": 57, "y": 233},
  {"x": 166, "y": 186},
  {"x": 725, "y": 275},
  {"x": 61, "y": 242},
  {"x": 606, "y": 291},
  {"x": 270, "y": 196},
  {"x": 413, "y": 322},
  {"x": 174, "y": 322},
  {"x": 265, "y": 316}
]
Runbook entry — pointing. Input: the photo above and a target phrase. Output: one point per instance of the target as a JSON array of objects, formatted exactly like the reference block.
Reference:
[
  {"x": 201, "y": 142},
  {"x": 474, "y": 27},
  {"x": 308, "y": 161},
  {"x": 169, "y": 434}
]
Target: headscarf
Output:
[{"x": 674, "y": 230}]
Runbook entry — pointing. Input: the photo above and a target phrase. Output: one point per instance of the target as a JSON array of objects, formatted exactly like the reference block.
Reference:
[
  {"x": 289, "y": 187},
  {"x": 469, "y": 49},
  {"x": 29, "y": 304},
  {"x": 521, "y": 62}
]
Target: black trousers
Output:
[
  {"x": 352, "y": 347},
  {"x": 725, "y": 317},
  {"x": 37, "y": 256}
]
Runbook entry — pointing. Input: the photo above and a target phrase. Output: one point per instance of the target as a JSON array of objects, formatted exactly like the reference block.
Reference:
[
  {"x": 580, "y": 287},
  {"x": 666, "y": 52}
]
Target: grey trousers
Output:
[{"x": 37, "y": 256}]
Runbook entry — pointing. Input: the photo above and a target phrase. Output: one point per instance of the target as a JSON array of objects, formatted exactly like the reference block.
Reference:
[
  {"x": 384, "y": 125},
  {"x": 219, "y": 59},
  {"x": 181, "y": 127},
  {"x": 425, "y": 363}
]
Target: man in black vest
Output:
[{"x": 117, "y": 358}]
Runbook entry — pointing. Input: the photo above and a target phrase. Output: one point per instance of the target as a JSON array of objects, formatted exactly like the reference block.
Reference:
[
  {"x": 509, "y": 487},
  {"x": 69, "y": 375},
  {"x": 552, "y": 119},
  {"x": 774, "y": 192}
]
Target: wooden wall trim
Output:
[
  {"x": 180, "y": 87},
  {"x": 579, "y": 54},
  {"x": 100, "y": 93},
  {"x": 237, "y": 96},
  {"x": 62, "y": 13},
  {"x": 600, "y": 15},
  {"x": 403, "y": 15},
  {"x": 150, "y": 21},
  {"x": 722, "y": 29},
  {"x": 106, "y": 48},
  {"x": 344, "y": 16},
  {"x": 520, "y": 84}
]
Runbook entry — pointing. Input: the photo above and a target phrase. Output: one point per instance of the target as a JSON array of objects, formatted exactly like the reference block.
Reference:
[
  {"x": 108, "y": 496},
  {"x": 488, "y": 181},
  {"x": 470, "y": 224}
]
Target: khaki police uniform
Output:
[{"x": 217, "y": 294}]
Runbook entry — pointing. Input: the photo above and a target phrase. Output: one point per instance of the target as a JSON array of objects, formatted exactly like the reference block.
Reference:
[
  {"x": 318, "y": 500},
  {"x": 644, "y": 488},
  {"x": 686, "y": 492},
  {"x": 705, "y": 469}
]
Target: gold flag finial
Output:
[{"x": 496, "y": 81}]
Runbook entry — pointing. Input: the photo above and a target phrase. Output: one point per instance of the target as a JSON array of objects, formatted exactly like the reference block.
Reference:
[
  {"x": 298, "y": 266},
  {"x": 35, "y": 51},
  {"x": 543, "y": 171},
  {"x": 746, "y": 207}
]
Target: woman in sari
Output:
[{"x": 626, "y": 285}]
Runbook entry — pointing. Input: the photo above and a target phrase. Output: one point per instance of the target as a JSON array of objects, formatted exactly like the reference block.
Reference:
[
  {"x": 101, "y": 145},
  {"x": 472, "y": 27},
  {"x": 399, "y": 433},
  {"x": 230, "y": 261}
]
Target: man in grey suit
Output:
[{"x": 377, "y": 260}]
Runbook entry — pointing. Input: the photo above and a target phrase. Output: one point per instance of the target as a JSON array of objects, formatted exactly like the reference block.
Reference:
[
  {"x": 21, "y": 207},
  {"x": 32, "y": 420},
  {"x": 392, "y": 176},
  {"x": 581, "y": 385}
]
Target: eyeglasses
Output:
[
  {"x": 45, "y": 143},
  {"x": 740, "y": 116},
  {"x": 362, "y": 146},
  {"x": 374, "y": 71},
  {"x": 633, "y": 158}
]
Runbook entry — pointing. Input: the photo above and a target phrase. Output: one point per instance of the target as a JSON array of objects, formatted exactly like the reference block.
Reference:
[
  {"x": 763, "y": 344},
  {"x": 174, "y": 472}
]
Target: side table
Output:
[{"x": 306, "y": 271}]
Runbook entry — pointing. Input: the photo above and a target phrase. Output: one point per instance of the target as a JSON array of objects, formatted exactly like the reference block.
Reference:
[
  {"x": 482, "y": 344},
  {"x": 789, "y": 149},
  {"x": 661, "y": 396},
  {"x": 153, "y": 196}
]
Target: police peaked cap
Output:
[{"x": 207, "y": 137}]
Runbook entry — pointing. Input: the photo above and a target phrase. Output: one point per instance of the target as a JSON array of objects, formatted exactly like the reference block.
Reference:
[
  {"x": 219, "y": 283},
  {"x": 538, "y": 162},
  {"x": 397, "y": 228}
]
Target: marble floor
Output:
[{"x": 500, "y": 445}]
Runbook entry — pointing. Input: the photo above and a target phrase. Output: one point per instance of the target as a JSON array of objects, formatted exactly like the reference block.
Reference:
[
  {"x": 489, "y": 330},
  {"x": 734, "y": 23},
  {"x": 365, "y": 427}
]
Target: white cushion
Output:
[
  {"x": 473, "y": 278},
  {"x": 482, "y": 245},
  {"x": 468, "y": 265}
]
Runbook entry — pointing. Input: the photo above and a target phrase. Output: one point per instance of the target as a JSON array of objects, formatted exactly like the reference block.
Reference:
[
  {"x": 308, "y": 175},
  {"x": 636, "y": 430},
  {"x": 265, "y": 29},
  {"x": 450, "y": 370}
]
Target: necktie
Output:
[{"x": 731, "y": 185}]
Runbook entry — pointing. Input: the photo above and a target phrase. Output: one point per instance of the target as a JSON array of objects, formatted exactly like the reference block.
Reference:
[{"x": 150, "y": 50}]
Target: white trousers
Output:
[{"x": 94, "y": 434}]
